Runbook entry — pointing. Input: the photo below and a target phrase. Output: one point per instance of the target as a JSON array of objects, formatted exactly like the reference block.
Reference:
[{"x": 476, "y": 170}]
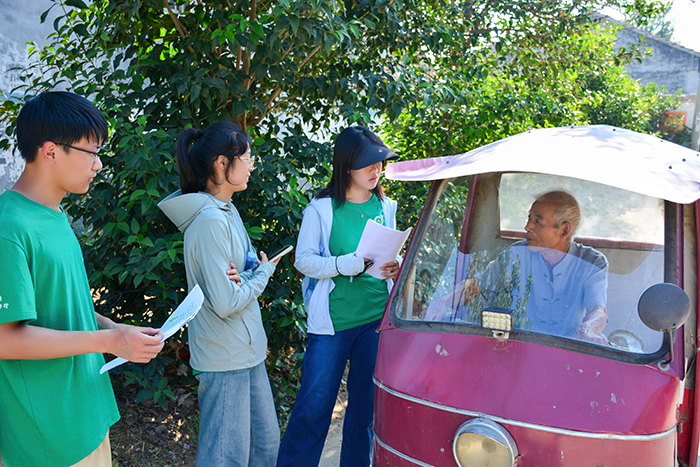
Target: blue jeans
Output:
[
  {"x": 238, "y": 425},
  {"x": 322, "y": 370}
]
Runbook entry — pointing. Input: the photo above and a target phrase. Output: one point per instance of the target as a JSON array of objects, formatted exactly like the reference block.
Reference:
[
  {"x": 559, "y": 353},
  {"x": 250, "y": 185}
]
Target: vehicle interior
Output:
[{"x": 464, "y": 233}]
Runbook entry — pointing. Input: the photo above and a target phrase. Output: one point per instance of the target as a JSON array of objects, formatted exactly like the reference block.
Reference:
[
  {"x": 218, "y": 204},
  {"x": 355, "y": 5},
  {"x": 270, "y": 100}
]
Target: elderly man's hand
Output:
[
  {"x": 584, "y": 333},
  {"x": 592, "y": 326},
  {"x": 442, "y": 308}
]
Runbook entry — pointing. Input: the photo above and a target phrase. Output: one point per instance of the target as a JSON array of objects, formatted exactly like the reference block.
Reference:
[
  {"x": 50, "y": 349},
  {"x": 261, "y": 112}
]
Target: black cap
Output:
[{"x": 371, "y": 154}]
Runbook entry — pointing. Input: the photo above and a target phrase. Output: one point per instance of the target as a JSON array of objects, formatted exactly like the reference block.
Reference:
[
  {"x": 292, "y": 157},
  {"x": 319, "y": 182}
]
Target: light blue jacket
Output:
[
  {"x": 227, "y": 333},
  {"x": 314, "y": 260}
]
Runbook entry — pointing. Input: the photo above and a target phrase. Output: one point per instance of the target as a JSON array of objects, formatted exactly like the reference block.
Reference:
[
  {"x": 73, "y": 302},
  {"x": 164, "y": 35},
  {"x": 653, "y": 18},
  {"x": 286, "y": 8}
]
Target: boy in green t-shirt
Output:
[{"x": 55, "y": 407}]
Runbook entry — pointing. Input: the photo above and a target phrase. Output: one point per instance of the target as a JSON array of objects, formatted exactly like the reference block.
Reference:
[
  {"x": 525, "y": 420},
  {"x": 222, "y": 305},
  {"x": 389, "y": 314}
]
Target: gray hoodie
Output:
[{"x": 227, "y": 333}]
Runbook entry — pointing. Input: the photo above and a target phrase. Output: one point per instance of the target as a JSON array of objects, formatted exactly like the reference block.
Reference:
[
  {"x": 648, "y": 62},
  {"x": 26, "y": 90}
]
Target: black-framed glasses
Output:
[{"x": 94, "y": 154}]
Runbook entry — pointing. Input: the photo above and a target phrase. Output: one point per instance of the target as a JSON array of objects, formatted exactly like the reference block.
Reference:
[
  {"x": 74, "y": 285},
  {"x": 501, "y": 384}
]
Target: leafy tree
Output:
[
  {"x": 653, "y": 18},
  {"x": 574, "y": 79},
  {"x": 291, "y": 72}
]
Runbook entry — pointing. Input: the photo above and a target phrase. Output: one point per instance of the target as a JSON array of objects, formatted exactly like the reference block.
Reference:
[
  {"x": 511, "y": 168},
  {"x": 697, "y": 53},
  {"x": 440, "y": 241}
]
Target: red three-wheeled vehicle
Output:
[{"x": 487, "y": 356}]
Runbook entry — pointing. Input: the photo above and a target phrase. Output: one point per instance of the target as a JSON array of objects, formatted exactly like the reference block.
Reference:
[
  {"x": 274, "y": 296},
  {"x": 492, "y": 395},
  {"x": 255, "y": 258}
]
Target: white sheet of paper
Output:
[
  {"x": 182, "y": 315},
  {"x": 381, "y": 245}
]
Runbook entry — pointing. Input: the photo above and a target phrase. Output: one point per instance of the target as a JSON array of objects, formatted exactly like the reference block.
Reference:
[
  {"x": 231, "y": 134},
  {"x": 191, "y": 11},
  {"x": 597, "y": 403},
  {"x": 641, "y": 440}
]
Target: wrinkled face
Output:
[
  {"x": 541, "y": 230},
  {"x": 76, "y": 167},
  {"x": 366, "y": 177}
]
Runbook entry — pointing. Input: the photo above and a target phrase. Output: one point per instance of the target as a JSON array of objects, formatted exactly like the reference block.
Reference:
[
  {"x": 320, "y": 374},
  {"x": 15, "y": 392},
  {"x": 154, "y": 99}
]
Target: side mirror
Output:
[{"x": 664, "y": 307}]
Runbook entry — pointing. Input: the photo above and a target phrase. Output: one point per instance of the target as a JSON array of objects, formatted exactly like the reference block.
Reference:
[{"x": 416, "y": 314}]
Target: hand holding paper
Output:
[
  {"x": 178, "y": 318},
  {"x": 381, "y": 245}
]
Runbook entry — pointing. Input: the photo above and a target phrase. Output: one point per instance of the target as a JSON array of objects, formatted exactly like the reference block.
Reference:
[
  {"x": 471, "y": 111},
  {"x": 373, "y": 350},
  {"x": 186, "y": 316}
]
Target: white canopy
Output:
[{"x": 604, "y": 154}]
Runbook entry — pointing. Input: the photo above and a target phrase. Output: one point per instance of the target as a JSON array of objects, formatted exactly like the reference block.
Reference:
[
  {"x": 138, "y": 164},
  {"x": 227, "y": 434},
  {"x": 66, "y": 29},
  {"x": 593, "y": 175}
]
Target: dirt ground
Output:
[{"x": 150, "y": 436}]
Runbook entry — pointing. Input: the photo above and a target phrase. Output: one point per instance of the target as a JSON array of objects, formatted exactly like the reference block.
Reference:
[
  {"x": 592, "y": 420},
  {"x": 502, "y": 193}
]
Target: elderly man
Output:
[
  {"x": 554, "y": 285},
  {"x": 567, "y": 281}
]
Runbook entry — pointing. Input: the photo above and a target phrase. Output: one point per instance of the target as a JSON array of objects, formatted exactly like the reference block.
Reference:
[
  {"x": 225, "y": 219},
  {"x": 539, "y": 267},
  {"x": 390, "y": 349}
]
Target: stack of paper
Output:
[{"x": 381, "y": 245}]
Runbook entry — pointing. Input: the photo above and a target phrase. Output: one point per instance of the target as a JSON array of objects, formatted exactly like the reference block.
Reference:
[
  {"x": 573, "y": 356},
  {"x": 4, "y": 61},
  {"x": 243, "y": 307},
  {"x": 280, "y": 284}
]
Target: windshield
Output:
[{"x": 555, "y": 267}]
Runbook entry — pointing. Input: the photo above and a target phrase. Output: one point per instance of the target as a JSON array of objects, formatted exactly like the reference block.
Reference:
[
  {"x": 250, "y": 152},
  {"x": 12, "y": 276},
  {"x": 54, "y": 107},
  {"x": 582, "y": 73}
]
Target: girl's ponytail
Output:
[{"x": 189, "y": 181}]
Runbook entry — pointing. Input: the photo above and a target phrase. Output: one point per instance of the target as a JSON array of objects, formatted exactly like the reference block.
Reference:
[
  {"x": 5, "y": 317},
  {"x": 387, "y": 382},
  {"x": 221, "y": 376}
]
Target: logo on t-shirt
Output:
[{"x": 379, "y": 219}]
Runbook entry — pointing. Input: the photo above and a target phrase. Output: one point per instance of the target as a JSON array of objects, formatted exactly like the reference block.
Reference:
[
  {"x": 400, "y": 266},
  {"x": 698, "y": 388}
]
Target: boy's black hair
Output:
[{"x": 61, "y": 117}]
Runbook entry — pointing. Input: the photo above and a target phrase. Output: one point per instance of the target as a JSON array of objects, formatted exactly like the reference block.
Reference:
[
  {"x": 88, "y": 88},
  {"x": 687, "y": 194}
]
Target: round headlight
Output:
[{"x": 483, "y": 443}]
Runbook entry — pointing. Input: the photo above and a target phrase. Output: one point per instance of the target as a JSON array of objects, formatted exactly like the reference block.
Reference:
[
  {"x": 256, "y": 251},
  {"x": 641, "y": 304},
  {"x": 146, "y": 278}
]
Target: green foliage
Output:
[
  {"x": 192, "y": 424},
  {"x": 651, "y": 17},
  {"x": 286, "y": 374},
  {"x": 575, "y": 79},
  {"x": 151, "y": 379},
  {"x": 500, "y": 286}
]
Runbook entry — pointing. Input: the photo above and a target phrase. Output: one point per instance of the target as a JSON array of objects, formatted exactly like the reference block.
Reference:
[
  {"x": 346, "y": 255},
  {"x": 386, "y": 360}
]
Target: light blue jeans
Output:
[{"x": 238, "y": 425}]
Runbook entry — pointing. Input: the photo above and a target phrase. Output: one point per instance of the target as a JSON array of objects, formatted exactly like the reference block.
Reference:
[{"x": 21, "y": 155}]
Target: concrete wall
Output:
[
  {"x": 10, "y": 165},
  {"x": 19, "y": 24},
  {"x": 669, "y": 65}
]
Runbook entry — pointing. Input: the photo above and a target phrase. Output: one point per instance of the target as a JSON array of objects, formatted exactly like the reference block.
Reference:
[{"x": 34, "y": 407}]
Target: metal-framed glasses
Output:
[
  {"x": 248, "y": 160},
  {"x": 94, "y": 154}
]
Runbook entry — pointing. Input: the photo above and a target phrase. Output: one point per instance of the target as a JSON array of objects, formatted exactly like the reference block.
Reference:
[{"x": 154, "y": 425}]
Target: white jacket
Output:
[{"x": 314, "y": 260}]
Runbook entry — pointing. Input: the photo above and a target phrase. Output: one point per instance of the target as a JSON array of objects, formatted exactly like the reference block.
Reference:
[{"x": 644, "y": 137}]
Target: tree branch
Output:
[
  {"x": 308, "y": 57},
  {"x": 254, "y": 10},
  {"x": 269, "y": 104},
  {"x": 253, "y": 16},
  {"x": 286, "y": 52},
  {"x": 246, "y": 69},
  {"x": 178, "y": 25}
]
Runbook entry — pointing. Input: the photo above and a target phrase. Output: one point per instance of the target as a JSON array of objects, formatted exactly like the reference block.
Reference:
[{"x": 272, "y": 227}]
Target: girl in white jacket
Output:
[{"x": 344, "y": 305}]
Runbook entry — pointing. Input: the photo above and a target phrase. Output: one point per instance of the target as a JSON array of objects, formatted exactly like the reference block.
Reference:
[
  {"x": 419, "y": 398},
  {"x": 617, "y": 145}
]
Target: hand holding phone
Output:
[{"x": 281, "y": 253}]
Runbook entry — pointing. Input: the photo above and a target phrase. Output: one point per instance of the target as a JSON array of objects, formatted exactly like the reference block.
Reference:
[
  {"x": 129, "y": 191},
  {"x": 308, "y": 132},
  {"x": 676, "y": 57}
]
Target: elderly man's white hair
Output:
[{"x": 566, "y": 210}]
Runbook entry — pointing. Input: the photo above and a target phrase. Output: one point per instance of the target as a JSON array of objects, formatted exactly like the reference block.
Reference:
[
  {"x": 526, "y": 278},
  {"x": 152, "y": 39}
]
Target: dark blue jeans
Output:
[{"x": 322, "y": 370}]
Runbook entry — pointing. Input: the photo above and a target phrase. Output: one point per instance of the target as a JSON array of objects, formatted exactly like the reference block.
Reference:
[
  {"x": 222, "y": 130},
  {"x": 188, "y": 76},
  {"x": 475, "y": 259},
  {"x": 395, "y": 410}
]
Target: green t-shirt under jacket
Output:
[{"x": 361, "y": 300}]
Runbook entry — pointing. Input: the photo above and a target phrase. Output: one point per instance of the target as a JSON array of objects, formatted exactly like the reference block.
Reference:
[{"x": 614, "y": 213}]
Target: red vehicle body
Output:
[{"x": 453, "y": 392}]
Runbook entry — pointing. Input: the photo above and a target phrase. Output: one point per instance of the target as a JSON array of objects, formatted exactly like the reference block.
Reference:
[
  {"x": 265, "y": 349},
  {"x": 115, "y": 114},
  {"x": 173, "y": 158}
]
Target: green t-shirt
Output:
[
  {"x": 363, "y": 300},
  {"x": 52, "y": 412}
]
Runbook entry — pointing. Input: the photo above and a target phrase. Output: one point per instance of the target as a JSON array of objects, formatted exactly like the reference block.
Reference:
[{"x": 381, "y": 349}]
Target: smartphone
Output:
[{"x": 281, "y": 252}]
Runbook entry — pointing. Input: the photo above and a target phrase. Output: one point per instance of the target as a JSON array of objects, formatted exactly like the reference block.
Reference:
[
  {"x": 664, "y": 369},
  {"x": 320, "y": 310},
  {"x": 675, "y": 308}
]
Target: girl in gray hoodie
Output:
[{"x": 228, "y": 345}]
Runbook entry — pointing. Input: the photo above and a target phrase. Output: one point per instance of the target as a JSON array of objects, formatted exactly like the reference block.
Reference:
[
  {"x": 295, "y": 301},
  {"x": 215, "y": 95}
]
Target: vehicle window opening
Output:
[{"x": 464, "y": 239}]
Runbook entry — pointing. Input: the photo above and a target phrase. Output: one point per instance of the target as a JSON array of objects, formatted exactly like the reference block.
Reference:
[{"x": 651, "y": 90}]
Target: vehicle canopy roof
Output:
[{"x": 604, "y": 154}]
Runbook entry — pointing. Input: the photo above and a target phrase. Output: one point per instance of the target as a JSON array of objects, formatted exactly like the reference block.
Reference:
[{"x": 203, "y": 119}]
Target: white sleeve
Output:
[{"x": 309, "y": 260}]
